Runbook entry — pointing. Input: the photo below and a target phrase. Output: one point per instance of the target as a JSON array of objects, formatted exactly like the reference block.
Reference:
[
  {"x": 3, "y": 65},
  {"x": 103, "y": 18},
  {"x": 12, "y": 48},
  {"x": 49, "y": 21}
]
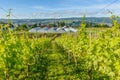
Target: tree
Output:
[
  {"x": 52, "y": 25},
  {"x": 34, "y": 25},
  {"x": 61, "y": 24},
  {"x": 22, "y": 27}
]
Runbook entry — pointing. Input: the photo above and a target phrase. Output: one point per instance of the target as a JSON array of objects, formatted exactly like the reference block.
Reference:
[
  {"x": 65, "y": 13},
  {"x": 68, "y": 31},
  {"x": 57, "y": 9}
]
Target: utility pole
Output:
[{"x": 8, "y": 16}]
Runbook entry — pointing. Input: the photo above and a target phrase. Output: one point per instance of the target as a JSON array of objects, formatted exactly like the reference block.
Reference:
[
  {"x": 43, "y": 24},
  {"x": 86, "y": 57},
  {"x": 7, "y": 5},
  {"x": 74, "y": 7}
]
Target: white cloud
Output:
[
  {"x": 74, "y": 11},
  {"x": 95, "y": 7}
]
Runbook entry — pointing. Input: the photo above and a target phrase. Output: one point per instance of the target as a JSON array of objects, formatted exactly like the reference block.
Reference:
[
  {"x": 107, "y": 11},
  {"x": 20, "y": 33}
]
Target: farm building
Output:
[{"x": 52, "y": 30}]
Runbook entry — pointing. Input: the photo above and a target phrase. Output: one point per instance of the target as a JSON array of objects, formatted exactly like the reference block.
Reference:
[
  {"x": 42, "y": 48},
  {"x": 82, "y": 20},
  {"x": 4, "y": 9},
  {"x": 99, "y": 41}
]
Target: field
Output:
[{"x": 90, "y": 54}]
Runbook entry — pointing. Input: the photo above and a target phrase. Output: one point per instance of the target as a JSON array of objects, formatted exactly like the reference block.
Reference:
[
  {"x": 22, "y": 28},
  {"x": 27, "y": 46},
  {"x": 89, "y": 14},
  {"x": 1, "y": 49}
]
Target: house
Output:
[
  {"x": 53, "y": 30},
  {"x": 36, "y": 29}
]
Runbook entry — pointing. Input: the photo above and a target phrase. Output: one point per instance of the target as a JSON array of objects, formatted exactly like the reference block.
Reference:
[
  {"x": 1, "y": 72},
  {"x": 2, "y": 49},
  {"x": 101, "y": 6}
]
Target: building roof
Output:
[
  {"x": 52, "y": 30},
  {"x": 36, "y": 29}
]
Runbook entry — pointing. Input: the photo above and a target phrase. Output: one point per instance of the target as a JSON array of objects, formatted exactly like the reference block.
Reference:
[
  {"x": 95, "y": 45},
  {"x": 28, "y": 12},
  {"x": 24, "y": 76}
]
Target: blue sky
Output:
[{"x": 58, "y": 8}]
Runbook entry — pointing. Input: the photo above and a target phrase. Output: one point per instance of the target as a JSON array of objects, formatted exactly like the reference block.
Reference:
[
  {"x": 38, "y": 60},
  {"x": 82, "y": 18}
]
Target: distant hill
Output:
[{"x": 74, "y": 21}]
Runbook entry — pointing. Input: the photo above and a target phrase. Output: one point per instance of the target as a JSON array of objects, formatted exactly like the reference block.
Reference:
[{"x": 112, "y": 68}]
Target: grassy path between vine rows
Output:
[{"x": 57, "y": 66}]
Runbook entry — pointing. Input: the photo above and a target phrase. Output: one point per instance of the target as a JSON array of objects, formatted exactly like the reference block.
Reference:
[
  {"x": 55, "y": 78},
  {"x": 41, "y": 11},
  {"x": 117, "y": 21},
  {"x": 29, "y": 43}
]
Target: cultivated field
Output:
[{"x": 90, "y": 54}]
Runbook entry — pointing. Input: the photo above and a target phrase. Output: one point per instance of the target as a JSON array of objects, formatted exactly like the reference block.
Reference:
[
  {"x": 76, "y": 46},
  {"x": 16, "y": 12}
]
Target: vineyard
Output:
[{"x": 82, "y": 56}]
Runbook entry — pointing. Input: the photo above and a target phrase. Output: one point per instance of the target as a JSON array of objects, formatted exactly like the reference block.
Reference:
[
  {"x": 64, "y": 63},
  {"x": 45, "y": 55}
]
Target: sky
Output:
[{"x": 35, "y": 9}]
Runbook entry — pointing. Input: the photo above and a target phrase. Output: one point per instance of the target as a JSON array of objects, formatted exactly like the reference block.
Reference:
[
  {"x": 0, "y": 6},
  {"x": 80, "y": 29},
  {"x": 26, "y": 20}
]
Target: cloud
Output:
[
  {"x": 72, "y": 11},
  {"x": 77, "y": 11},
  {"x": 114, "y": 6}
]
